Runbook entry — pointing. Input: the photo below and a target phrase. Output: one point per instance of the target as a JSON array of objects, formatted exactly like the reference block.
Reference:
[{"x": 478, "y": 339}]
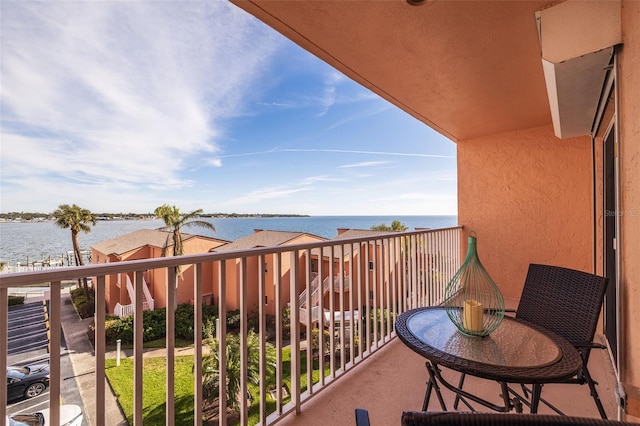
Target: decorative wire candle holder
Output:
[{"x": 473, "y": 301}]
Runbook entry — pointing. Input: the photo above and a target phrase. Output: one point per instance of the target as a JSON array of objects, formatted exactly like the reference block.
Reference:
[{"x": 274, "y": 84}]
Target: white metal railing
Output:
[
  {"x": 388, "y": 274},
  {"x": 316, "y": 293},
  {"x": 127, "y": 310},
  {"x": 31, "y": 267},
  {"x": 315, "y": 285}
]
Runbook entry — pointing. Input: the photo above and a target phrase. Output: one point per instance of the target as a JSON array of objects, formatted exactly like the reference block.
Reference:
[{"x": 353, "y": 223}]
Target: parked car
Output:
[
  {"x": 70, "y": 415},
  {"x": 27, "y": 381}
]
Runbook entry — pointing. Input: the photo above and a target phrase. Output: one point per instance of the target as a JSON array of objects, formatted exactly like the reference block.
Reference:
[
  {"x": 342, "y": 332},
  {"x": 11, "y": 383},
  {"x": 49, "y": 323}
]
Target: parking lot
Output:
[
  {"x": 28, "y": 328},
  {"x": 28, "y": 344}
]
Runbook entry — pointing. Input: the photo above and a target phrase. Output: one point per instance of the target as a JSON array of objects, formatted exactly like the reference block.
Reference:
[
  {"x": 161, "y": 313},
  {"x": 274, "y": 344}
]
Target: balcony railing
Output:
[{"x": 376, "y": 279}]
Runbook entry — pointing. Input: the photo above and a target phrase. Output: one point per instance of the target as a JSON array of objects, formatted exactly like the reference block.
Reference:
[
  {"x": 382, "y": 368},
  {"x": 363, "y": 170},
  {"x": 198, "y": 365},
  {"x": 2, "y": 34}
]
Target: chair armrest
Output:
[
  {"x": 589, "y": 345},
  {"x": 362, "y": 417}
]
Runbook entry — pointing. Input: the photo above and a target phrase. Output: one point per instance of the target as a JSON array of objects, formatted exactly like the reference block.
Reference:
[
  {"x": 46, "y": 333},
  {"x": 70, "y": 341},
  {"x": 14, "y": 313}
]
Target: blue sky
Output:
[{"x": 124, "y": 106}]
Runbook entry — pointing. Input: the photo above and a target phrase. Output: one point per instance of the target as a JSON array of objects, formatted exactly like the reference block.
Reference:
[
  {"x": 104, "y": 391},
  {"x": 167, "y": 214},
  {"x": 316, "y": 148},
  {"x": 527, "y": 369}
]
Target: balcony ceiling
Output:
[{"x": 465, "y": 68}]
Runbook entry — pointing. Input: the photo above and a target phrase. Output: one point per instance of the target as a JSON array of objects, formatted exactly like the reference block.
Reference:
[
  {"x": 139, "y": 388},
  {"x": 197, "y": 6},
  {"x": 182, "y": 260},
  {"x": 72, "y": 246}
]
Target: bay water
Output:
[{"x": 31, "y": 241}]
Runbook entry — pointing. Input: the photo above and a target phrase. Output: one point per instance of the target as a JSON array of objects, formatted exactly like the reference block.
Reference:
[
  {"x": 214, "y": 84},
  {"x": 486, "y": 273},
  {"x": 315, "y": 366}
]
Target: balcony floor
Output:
[{"x": 393, "y": 380}]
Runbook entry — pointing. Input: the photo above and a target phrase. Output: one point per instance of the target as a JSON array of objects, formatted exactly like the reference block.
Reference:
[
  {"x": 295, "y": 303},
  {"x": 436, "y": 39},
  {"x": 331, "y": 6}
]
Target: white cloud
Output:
[
  {"x": 364, "y": 164},
  {"x": 314, "y": 179},
  {"x": 259, "y": 195},
  {"x": 215, "y": 162},
  {"x": 121, "y": 93}
]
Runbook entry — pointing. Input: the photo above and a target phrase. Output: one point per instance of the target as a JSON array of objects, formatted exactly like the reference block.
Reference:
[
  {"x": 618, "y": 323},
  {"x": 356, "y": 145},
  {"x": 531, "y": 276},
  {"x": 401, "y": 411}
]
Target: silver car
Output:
[{"x": 70, "y": 415}]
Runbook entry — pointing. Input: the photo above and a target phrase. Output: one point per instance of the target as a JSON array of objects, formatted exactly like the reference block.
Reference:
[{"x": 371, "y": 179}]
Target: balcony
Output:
[{"x": 374, "y": 280}]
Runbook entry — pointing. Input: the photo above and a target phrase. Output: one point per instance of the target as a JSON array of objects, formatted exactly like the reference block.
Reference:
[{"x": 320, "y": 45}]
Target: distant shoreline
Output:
[{"x": 47, "y": 217}]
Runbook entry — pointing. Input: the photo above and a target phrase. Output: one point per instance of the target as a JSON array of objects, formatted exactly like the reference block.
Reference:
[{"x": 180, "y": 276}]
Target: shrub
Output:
[
  {"x": 286, "y": 323},
  {"x": 376, "y": 315},
  {"x": 315, "y": 341},
  {"x": 154, "y": 324},
  {"x": 119, "y": 328},
  {"x": 233, "y": 320},
  {"x": 85, "y": 307},
  {"x": 184, "y": 320}
]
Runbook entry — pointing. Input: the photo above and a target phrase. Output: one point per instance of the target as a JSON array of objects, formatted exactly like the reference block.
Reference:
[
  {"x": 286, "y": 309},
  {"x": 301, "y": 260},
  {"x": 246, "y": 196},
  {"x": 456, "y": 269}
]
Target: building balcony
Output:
[{"x": 365, "y": 365}]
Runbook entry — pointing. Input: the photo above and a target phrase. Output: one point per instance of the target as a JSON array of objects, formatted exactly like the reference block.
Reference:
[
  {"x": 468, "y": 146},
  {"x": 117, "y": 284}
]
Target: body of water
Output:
[{"x": 41, "y": 240}]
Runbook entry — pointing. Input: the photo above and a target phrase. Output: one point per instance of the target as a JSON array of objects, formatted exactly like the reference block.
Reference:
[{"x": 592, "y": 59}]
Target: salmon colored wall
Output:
[
  {"x": 112, "y": 291},
  {"x": 210, "y": 270},
  {"x": 232, "y": 276},
  {"x": 629, "y": 82},
  {"x": 527, "y": 195},
  {"x": 200, "y": 245},
  {"x": 156, "y": 279},
  {"x": 269, "y": 287},
  {"x": 186, "y": 285}
]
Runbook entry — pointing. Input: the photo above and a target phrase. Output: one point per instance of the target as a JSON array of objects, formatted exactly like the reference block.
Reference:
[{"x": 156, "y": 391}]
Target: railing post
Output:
[
  {"x": 221, "y": 331},
  {"x": 137, "y": 356},
  {"x": 332, "y": 337},
  {"x": 197, "y": 345},
  {"x": 341, "y": 290},
  {"x": 295, "y": 332},
  {"x": 170, "y": 339},
  {"x": 4, "y": 347},
  {"x": 308, "y": 320},
  {"x": 54, "y": 352},
  {"x": 263, "y": 336},
  {"x": 100, "y": 344},
  {"x": 243, "y": 342},
  {"x": 320, "y": 315},
  {"x": 279, "y": 329}
]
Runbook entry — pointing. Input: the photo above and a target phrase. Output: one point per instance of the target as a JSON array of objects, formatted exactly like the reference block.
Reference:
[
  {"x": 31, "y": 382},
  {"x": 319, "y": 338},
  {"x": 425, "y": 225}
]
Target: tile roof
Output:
[
  {"x": 265, "y": 238},
  {"x": 140, "y": 238}
]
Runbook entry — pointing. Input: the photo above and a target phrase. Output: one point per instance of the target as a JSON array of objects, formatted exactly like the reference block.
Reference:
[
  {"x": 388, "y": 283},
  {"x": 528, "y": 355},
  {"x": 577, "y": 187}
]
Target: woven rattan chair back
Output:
[
  {"x": 565, "y": 301},
  {"x": 421, "y": 418}
]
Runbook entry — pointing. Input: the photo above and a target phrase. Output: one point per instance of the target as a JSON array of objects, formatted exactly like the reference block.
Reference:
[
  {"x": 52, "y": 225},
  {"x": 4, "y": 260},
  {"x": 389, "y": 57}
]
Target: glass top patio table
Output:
[{"x": 516, "y": 352}]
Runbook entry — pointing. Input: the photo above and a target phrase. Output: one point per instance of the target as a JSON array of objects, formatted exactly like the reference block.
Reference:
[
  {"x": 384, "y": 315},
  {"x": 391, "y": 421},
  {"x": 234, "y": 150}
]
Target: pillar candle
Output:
[{"x": 473, "y": 315}]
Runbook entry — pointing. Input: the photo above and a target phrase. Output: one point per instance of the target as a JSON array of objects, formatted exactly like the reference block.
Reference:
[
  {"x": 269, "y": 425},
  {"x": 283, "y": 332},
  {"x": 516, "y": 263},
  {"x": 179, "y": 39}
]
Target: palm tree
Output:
[
  {"x": 174, "y": 220},
  {"x": 78, "y": 219},
  {"x": 396, "y": 225},
  {"x": 211, "y": 367}
]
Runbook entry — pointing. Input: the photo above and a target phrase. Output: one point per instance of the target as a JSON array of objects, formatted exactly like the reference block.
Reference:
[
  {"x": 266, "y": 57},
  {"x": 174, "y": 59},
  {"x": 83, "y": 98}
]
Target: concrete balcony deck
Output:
[{"x": 393, "y": 380}]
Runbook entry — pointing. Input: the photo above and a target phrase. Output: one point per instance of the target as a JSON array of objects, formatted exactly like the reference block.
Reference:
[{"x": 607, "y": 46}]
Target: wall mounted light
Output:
[{"x": 419, "y": 2}]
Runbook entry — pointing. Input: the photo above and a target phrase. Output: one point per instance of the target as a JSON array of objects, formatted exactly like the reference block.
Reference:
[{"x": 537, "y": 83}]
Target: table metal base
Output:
[{"x": 509, "y": 404}]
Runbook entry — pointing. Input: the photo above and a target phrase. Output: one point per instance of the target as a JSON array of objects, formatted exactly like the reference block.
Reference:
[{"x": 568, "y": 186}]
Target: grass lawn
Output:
[{"x": 154, "y": 388}]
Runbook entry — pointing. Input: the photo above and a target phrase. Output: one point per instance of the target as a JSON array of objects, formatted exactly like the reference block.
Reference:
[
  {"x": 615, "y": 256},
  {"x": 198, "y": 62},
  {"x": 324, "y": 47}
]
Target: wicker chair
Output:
[
  {"x": 422, "y": 418},
  {"x": 567, "y": 302}
]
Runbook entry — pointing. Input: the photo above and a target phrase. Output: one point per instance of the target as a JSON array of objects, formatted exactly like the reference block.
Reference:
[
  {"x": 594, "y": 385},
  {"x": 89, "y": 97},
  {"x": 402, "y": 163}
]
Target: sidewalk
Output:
[{"x": 83, "y": 362}]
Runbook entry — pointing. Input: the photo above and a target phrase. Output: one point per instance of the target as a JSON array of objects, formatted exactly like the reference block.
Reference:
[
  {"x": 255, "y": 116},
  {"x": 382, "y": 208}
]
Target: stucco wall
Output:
[
  {"x": 527, "y": 195},
  {"x": 629, "y": 85}
]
